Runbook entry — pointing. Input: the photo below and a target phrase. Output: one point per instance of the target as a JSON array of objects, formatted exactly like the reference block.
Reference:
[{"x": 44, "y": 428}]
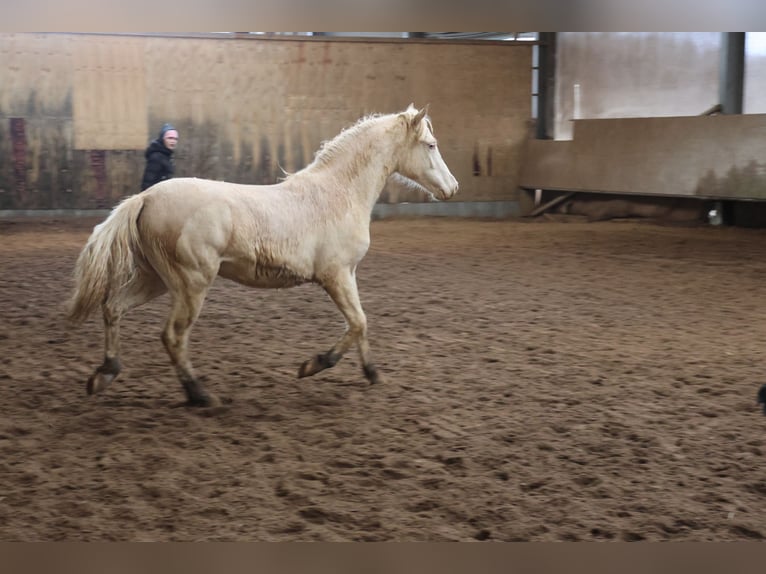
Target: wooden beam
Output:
[{"x": 552, "y": 203}]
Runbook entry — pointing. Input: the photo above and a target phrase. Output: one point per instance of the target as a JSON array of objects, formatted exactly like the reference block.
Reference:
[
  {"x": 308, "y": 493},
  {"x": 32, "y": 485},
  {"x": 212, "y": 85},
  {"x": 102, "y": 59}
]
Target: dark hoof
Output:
[
  {"x": 762, "y": 397},
  {"x": 307, "y": 369},
  {"x": 204, "y": 401},
  {"x": 318, "y": 363},
  {"x": 372, "y": 374},
  {"x": 98, "y": 382}
]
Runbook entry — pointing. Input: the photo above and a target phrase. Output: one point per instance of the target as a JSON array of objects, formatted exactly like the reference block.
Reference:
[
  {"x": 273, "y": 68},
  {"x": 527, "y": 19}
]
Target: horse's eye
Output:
[{"x": 432, "y": 146}]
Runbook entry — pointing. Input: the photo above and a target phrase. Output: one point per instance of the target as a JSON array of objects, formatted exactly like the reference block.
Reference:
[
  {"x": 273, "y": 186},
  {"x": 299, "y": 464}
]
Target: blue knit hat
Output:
[{"x": 166, "y": 128}]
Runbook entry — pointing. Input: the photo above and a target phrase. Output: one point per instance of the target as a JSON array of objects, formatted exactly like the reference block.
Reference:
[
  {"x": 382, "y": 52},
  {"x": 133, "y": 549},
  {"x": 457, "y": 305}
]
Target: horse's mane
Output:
[{"x": 339, "y": 144}]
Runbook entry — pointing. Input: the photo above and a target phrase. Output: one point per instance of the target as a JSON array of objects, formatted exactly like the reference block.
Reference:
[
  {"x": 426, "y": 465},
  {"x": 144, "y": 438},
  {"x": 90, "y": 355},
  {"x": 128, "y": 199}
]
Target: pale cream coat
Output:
[{"x": 178, "y": 235}]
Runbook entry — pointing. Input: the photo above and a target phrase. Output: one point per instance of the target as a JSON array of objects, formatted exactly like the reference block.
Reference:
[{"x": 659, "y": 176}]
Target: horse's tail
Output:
[{"x": 108, "y": 260}]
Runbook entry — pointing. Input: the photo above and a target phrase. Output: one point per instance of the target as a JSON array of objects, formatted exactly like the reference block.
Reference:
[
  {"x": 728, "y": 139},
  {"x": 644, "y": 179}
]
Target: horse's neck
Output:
[{"x": 361, "y": 173}]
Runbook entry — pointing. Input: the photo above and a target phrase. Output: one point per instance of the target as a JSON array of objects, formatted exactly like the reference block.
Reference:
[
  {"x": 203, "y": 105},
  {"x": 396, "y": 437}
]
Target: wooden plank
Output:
[
  {"x": 109, "y": 95},
  {"x": 552, "y": 203}
]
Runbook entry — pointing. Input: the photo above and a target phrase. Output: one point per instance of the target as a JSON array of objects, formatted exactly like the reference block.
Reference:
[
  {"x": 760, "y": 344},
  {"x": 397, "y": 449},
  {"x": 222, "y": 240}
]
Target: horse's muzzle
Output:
[{"x": 452, "y": 190}]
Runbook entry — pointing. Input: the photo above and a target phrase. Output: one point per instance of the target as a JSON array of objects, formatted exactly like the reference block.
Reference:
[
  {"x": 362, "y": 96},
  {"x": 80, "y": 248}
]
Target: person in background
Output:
[{"x": 159, "y": 157}]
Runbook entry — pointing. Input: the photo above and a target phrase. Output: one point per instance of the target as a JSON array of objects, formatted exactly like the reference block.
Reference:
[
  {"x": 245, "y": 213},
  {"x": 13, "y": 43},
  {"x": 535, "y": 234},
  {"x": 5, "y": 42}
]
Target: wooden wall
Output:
[
  {"x": 77, "y": 110},
  {"x": 718, "y": 157}
]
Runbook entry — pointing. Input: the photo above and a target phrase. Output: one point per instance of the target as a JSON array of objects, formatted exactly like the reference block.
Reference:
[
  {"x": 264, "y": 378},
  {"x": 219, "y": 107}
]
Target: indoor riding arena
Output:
[{"x": 570, "y": 349}]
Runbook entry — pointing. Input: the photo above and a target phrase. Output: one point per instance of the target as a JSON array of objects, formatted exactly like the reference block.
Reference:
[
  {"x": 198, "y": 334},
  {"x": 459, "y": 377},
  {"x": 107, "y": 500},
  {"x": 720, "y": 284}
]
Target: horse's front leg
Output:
[{"x": 343, "y": 291}]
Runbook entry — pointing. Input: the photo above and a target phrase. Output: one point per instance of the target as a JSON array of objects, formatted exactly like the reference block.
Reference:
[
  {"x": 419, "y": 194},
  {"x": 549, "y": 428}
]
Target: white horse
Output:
[{"x": 314, "y": 226}]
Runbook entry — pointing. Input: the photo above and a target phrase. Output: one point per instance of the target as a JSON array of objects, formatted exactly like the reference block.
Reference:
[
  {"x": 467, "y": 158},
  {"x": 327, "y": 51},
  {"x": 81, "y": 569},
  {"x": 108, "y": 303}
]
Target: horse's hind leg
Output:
[
  {"x": 184, "y": 312},
  {"x": 143, "y": 288},
  {"x": 343, "y": 291},
  {"x": 110, "y": 368}
]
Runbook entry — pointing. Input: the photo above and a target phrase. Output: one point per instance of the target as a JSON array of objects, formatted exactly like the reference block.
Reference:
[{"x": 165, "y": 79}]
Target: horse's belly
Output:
[{"x": 255, "y": 275}]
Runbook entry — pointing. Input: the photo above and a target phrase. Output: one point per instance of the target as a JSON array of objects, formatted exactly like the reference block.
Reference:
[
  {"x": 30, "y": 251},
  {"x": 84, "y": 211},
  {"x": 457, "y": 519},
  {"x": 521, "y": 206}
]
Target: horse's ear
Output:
[
  {"x": 411, "y": 107},
  {"x": 419, "y": 117}
]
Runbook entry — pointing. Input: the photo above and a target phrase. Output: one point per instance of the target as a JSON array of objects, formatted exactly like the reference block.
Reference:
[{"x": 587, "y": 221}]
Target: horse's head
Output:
[{"x": 421, "y": 160}]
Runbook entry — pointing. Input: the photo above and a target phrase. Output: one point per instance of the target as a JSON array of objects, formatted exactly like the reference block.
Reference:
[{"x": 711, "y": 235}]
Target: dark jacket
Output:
[{"x": 159, "y": 164}]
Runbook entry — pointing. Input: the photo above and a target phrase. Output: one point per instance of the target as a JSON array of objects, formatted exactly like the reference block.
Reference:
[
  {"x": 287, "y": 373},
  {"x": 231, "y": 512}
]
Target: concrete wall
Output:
[
  {"x": 77, "y": 111},
  {"x": 604, "y": 75},
  {"x": 706, "y": 157},
  {"x": 755, "y": 73}
]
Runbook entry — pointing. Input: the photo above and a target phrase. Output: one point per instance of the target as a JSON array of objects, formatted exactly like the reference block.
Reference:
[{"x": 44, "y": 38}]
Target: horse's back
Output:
[{"x": 212, "y": 225}]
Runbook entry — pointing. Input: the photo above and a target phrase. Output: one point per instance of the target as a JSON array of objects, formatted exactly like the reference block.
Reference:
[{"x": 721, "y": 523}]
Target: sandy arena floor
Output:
[{"x": 551, "y": 380}]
